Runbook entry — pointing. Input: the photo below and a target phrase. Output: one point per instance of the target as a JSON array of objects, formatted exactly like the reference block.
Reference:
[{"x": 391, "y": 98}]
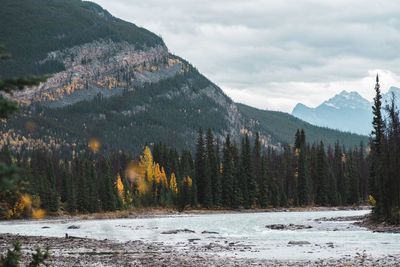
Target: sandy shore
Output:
[{"x": 91, "y": 252}]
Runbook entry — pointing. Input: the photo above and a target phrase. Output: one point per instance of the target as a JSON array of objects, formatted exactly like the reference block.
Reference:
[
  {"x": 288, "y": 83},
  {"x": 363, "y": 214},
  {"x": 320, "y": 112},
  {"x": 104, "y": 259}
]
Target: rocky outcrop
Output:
[
  {"x": 100, "y": 67},
  {"x": 291, "y": 227}
]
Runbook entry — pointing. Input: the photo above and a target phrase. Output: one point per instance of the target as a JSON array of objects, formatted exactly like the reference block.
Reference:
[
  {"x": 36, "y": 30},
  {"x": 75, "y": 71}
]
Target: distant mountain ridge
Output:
[
  {"x": 346, "y": 111},
  {"x": 118, "y": 83}
]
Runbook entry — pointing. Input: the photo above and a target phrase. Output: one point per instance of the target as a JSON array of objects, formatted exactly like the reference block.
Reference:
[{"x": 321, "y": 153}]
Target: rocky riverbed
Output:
[
  {"x": 376, "y": 226},
  {"x": 307, "y": 238},
  {"x": 74, "y": 251}
]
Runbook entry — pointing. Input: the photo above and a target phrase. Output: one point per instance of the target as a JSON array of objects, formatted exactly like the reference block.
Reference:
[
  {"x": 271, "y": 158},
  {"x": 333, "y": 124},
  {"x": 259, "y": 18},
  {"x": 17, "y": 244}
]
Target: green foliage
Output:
[
  {"x": 303, "y": 187},
  {"x": 246, "y": 178},
  {"x": 39, "y": 258},
  {"x": 385, "y": 162},
  {"x": 12, "y": 258},
  {"x": 227, "y": 174}
]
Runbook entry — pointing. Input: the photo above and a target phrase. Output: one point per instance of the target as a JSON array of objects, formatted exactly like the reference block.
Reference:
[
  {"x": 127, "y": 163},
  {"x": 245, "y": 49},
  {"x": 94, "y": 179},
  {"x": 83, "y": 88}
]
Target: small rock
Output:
[
  {"x": 330, "y": 244},
  {"x": 299, "y": 243},
  {"x": 210, "y": 232},
  {"x": 276, "y": 226},
  {"x": 170, "y": 232},
  {"x": 45, "y": 227},
  {"x": 73, "y": 227},
  {"x": 288, "y": 227}
]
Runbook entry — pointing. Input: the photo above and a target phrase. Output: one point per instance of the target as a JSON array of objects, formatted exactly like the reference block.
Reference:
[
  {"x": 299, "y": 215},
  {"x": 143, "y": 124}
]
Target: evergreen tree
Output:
[
  {"x": 338, "y": 172},
  {"x": 53, "y": 195},
  {"x": 333, "y": 198},
  {"x": 258, "y": 171},
  {"x": 237, "y": 196},
  {"x": 303, "y": 189},
  {"x": 109, "y": 198},
  {"x": 217, "y": 186},
  {"x": 263, "y": 193},
  {"x": 212, "y": 169},
  {"x": 248, "y": 171},
  {"x": 352, "y": 177},
  {"x": 227, "y": 174},
  {"x": 203, "y": 182},
  {"x": 322, "y": 173},
  {"x": 377, "y": 178},
  {"x": 10, "y": 179}
]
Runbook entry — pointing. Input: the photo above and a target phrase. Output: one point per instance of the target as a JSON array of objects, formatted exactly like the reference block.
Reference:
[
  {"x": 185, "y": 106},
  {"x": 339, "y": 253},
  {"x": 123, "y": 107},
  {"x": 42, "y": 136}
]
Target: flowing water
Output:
[{"x": 327, "y": 239}]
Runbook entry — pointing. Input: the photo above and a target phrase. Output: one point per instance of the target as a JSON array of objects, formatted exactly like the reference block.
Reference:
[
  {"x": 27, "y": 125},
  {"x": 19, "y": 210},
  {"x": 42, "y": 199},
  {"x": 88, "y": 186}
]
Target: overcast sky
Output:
[{"x": 273, "y": 54}]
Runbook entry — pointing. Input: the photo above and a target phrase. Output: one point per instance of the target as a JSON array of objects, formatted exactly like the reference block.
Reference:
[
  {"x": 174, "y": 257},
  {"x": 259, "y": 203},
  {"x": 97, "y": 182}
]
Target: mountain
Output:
[
  {"x": 346, "y": 111},
  {"x": 280, "y": 126},
  {"x": 117, "y": 83}
]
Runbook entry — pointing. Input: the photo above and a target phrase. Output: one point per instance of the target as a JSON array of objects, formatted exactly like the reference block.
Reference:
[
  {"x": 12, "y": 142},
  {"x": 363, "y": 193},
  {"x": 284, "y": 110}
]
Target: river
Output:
[{"x": 325, "y": 239}]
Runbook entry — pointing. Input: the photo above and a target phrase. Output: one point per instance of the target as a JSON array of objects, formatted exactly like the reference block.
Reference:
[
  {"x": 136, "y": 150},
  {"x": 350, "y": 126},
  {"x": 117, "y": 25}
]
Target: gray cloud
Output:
[{"x": 273, "y": 54}]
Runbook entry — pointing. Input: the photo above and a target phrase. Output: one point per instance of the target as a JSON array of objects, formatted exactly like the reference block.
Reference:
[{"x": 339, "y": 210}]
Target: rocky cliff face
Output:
[
  {"x": 101, "y": 66},
  {"x": 104, "y": 68}
]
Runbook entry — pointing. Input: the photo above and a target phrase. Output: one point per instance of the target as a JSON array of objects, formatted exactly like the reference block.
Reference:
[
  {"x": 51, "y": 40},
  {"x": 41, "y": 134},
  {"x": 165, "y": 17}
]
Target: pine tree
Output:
[
  {"x": 227, "y": 174},
  {"x": 10, "y": 179},
  {"x": 212, "y": 169},
  {"x": 258, "y": 172},
  {"x": 217, "y": 186},
  {"x": 247, "y": 172},
  {"x": 237, "y": 196},
  {"x": 376, "y": 180},
  {"x": 352, "y": 177},
  {"x": 53, "y": 195},
  {"x": 263, "y": 192},
  {"x": 332, "y": 193},
  {"x": 11, "y": 259},
  {"x": 82, "y": 186},
  {"x": 71, "y": 196},
  {"x": 109, "y": 198},
  {"x": 322, "y": 172},
  {"x": 202, "y": 181},
  {"x": 93, "y": 191},
  {"x": 303, "y": 190}
]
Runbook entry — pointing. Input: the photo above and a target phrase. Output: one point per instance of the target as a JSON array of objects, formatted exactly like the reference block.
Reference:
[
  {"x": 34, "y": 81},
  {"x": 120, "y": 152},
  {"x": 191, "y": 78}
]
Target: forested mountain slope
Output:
[
  {"x": 117, "y": 83},
  {"x": 281, "y": 126}
]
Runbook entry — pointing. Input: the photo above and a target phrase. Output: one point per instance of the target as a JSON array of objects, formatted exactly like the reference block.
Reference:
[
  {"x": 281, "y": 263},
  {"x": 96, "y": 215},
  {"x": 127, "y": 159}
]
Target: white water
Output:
[{"x": 243, "y": 228}]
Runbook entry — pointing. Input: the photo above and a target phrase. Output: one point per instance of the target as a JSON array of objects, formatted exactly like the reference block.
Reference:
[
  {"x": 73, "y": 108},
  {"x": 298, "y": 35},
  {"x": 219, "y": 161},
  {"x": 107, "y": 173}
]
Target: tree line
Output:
[
  {"x": 385, "y": 159},
  {"x": 231, "y": 176}
]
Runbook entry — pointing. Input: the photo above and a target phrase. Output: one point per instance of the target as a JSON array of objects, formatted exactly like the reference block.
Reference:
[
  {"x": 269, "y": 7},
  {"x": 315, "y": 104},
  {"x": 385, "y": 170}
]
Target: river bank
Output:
[
  {"x": 140, "y": 213},
  {"x": 377, "y": 226},
  {"x": 296, "y": 238},
  {"x": 91, "y": 252}
]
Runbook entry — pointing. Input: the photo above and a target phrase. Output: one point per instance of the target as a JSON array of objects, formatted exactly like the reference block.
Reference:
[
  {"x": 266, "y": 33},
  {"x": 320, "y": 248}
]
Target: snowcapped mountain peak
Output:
[
  {"x": 347, "y": 111},
  {"x": 344, "y": 94},
  {"x": 345, "y": 99}
]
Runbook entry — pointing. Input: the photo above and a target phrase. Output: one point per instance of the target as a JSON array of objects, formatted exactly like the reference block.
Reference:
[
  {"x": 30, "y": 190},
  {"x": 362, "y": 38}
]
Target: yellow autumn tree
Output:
[
  {"x": 120, "y": 188},
  {"x": 157, "y": 174},
  {"x": 188, "y": 181},
  {"x": 172, "y": 184},
  {"x": 147, "y": 164},
  {"x": 164, "y": 180},
  {"x": 26, "y": 206}
]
